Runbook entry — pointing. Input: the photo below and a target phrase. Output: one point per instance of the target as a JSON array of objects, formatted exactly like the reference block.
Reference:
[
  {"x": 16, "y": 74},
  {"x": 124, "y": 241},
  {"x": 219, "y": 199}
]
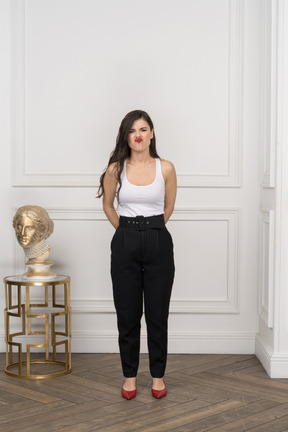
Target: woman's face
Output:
[
  {"x": 26, "y": 232},
  {"x": 140, "y": 135}
]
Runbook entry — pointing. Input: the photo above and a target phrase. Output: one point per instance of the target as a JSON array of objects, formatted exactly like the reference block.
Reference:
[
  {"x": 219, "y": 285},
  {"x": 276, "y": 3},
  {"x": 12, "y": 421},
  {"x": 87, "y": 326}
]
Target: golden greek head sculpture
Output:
[{"x": 33, "y": 226}]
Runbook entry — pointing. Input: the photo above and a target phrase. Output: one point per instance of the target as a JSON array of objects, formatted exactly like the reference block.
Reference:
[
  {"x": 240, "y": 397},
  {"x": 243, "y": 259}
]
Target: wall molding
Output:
[
  {"x": 269, "y": 39},
  {"x": 22, "y": 177},
  {"x": 266, "y": 249},
  {"x": 226, "y": 305}
]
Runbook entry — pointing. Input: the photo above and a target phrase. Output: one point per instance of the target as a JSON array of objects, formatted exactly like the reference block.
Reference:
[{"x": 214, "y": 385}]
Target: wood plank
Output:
[
  {"x": 260, "y": 419},
  {"x": 218, "y": 363},
  {"x": 82, "y": 393},
  {"x": 47, "y": 389},
  {"x": 274, "y": 387},
  {"x": 17, "y": 407},
  {"x": 188, "y": 363},
  {"x": 279, "y": 425},
  {"x": 274, "y": 384},
  {"x": 39, "y": 423},
  {"x": 177, "y": 421},
  {"x": 206, "y": 390},
  {"x": 27, "y": 393},
  {"x": 7, "y": 398},
  {"x": 224, "y": 382},
  {"x": 234, "y": 367},
  {"x": 218, "y": 420},
  {"x": 25, "y": 412},
  {"x": 257, "y": 370}
]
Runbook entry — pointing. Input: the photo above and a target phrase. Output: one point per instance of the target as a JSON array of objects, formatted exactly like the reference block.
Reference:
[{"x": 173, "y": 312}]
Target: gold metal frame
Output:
[{"x": 24, "y": 312}]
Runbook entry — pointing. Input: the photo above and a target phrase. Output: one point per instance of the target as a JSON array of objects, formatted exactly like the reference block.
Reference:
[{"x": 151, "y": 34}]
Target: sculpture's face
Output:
[{"x": 26, "y": 232}]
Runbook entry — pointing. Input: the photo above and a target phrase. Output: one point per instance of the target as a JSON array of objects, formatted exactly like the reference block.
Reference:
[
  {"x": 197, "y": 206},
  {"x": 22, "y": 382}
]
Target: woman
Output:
[{"x": 142, "y": 260}]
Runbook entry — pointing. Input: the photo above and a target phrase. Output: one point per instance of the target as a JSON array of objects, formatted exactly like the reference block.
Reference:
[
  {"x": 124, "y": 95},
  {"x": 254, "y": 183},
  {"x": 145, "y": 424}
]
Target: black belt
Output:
[{"x": 142, "y": 223}]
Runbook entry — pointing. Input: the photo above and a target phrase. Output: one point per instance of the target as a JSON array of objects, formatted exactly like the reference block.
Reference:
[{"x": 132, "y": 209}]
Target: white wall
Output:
[
  {"x": 272, "y": 339},
  {"x": 6, "y": 192},
  {"x": 77, "y": 67}
]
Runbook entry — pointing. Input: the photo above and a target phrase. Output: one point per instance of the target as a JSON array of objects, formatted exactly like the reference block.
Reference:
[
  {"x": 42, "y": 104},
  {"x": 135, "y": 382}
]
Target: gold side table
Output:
[{"x": 22, "y": 312}]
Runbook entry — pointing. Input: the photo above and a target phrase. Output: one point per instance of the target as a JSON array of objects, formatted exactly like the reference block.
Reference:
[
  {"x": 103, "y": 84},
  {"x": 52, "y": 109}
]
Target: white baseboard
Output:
[
  {"x": 276, "y": 365},
  {"x": 178, "y": 342},
  {"x": 264, "y": 353}
]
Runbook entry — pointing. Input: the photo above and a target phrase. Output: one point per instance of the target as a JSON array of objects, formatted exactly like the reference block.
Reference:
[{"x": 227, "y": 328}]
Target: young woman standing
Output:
[{"x": 142, "y": 261}]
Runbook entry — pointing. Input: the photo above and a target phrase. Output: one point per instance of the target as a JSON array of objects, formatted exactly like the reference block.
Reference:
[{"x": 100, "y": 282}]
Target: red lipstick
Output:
[{"x": 138, "y": 140}]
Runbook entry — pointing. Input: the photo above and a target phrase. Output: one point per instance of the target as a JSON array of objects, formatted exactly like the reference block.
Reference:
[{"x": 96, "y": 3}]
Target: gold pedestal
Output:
[{"x": 54, "y": 332}]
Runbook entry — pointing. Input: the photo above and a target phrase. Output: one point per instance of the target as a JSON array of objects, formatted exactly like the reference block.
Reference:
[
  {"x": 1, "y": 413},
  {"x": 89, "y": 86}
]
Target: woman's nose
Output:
[{"x": 23, "y": 231}]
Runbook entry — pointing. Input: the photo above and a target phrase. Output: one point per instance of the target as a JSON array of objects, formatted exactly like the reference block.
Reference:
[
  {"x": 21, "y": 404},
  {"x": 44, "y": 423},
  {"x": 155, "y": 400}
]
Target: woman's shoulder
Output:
[
  {"x": 167, "y": 168},
  {"x": 112, "y": 169}
]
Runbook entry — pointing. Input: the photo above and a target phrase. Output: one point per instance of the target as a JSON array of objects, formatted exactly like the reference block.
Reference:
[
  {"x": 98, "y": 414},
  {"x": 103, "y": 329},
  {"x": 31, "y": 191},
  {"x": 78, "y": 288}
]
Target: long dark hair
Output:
[{"x": 122, "y": 150}]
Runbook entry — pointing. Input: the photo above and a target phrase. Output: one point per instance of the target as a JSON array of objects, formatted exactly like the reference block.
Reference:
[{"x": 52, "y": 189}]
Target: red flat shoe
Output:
[
  {"x": 128, "y": 394},
  {"x": 158, "y": 394}
]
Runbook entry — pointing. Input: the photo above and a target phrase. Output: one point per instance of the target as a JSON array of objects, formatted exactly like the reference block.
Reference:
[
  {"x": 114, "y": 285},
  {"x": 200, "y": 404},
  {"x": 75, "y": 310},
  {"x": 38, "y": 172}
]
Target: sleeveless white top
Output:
[{"x": 142, "y": 200}]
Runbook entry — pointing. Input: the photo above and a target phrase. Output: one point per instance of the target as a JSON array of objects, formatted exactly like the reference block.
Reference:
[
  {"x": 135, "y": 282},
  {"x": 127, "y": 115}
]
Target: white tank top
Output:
[{"x": 142, "y": 200}]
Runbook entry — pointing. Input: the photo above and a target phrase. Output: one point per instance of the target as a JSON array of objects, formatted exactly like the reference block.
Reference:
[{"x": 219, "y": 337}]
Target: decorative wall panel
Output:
[
  {"x": 206, "y": 256},
  {"x": 266, "y": 276},
  {"x": 269, "y": 91},
  {"x": 65, "y": 81}
]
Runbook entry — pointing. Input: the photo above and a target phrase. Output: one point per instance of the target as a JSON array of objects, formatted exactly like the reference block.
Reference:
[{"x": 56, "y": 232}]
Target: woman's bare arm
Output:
[
  {"x": 110, "y": 185},
  {"x": 169, "y": 175}
]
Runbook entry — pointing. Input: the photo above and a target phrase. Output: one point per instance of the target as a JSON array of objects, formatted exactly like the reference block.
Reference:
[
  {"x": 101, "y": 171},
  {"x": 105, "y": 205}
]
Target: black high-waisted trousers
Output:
[{"x": 142, "y": 264}]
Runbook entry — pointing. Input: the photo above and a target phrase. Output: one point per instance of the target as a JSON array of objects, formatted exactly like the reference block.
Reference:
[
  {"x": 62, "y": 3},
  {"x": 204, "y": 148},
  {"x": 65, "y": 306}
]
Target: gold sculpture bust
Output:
[{"x": 33, "y": 226}]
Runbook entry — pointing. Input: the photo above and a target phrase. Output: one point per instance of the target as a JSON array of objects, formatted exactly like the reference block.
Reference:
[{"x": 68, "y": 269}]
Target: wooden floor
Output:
[{"x": 205, "y": 393}]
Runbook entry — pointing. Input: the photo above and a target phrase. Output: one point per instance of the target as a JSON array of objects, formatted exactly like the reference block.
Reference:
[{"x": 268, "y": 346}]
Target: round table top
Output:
[{"x": 21, "y": 280}]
